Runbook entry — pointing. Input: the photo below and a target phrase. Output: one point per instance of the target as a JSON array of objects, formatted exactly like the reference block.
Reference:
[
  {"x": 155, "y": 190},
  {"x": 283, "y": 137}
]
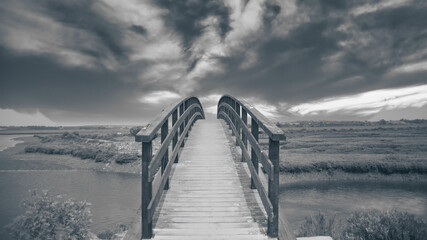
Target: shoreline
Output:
[
  {"x": 65, "y": 162},
  {"x": 69, "y": 162}
]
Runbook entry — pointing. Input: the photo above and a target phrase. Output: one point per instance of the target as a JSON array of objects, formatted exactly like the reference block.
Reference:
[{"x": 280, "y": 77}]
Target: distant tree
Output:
[{"x": 52, "y": 217}]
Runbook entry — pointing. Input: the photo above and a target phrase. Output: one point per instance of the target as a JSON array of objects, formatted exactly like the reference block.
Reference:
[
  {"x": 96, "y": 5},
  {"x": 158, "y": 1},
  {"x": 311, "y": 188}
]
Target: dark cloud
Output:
[
  {"x": 321, "y": 49},
  {"x": 38, "y": 82},
  {"x": 138, "y": 29},
  {"x": 300, "y": 66},
  {"x": 186, "y": 16},
  {"x": 80, "y": 15}
]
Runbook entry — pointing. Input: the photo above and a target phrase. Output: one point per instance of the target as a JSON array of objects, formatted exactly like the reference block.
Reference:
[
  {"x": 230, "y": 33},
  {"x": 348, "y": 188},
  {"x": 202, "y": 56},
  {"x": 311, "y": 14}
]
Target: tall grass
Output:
[{"x": 366, "y": 225}]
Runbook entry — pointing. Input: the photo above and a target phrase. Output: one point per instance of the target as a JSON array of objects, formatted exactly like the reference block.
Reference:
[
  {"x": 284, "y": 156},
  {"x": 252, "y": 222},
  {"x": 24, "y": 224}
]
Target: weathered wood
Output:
[
  {"x": 146, "y": 191},
  {"x": 181, "y": 127},
  {"x": 209, "y": 196},
  {"x": 264, "y": 123},
  {"x": 165, "y": 159},
  {"x": 157, "y": 159},
  {"x": 273, "y": 186},
  {"x": 155, "y": 200},
  {"x": 237, "y": 122},
  {"x": 254, "y": 157},
  {"x": 245, "y": 124},
  {"x": 148, "y": 133},
  {"x": 268, "y": 166},
  {"x": 256, "y": 181},
  {"x": 175, "y": 136}
]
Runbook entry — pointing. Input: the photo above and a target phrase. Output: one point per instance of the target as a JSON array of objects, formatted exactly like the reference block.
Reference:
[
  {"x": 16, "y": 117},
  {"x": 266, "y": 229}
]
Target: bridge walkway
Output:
[{"x": 209, "y": 195}]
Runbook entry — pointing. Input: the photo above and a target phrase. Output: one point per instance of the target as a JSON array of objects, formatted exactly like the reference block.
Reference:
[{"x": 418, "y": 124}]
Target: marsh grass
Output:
[
  {"x": 98, "y": 147},
  {"x": 366, "y": 225},
  {"x": 398, "y": 147}
]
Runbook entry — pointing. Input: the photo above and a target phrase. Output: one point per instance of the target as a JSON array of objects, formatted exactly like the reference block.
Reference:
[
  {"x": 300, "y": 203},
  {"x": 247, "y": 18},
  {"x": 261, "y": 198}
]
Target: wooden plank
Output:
[
  {"x": 207, "y": 195},
  {"x": 165, "y": 177}
]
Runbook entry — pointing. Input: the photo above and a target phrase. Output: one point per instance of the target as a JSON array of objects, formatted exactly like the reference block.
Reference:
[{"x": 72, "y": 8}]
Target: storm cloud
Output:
[{"x": 85, "y": 61}]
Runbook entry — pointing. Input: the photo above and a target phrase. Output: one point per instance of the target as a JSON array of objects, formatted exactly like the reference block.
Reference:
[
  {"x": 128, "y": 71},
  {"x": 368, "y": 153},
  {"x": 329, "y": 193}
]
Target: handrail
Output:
[
  {"x": 235, "y": 113},
  {"x": 183, "y": 115}
]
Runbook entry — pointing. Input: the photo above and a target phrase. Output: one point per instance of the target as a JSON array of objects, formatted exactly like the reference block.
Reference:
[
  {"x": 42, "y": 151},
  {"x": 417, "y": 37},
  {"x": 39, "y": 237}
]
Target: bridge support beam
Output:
[
  {"x": 254, "y": 157},
  {"x": 244, "y": 138},
  {"x": 175, "y": 137},
  {"x": 165, "y": 159},
  {"x": 146, "y": 191},
  {"x": 273, "y": 187}
]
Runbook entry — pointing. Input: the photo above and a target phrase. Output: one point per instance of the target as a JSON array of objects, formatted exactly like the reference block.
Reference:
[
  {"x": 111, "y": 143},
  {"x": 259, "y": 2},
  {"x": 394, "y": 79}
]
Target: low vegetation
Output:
[
  {"x": 99, "y": 147},
  {"x": 366, "y": 225},
  {"x": 384, "y": 147},
  {"x": 52, "y": 217}
]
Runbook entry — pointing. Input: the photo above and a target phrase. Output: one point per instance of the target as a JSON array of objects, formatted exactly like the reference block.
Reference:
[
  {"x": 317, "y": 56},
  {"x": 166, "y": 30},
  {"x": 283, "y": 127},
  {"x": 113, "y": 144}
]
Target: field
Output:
[{"x": 385, "y": 147}]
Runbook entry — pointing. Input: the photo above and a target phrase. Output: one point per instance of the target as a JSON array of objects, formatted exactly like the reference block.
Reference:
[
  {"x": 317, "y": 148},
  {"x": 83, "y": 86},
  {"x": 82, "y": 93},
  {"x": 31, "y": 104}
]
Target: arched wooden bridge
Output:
[{"x": 193, "y": 187}]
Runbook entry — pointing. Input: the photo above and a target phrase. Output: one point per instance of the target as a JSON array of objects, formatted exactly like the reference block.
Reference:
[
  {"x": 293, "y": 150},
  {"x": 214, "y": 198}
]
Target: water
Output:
[
  {"x": 115, "y": 197},
  {"x": 7, "y": 141},
  {"x": 344, "y": 197}
]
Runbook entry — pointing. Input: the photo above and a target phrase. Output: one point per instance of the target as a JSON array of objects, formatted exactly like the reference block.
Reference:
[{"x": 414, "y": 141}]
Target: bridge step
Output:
[{"x": 209, "y": 195}]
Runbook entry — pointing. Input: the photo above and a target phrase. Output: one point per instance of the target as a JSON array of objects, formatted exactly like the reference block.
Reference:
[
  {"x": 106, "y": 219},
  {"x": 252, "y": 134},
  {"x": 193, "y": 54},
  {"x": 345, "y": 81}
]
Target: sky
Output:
[{"x": 120, "y": 62}]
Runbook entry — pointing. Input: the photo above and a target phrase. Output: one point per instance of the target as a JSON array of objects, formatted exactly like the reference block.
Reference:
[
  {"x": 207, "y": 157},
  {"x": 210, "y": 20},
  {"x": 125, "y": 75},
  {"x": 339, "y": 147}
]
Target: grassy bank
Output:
[
  {"x": 103, "y": 148},
  {"x": 398, "y": 147}
]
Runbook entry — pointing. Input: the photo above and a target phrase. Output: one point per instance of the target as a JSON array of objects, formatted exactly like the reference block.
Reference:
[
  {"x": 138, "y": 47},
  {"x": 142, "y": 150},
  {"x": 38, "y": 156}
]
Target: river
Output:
[{"x": 115, "y": 197}]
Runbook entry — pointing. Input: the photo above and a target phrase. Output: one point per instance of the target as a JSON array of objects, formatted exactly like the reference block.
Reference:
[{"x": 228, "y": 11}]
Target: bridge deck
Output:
[{"x": 209, "y": 195}]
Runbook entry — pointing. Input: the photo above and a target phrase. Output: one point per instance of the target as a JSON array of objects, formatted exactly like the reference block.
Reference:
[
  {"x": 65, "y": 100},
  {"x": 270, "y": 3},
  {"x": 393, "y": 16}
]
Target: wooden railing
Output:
[
  {"x": 182, "y": 115},
  {"x": 235, "y": 113}
]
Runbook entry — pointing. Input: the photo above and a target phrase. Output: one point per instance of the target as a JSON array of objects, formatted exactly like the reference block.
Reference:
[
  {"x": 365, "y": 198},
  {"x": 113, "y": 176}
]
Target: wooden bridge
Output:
[{"x": 194, "y": 188}]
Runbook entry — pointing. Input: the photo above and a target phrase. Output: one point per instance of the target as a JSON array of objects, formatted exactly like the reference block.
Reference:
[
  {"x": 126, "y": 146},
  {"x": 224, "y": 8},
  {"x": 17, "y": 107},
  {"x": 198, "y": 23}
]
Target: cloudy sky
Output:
[{"x": 118, "y": 62}]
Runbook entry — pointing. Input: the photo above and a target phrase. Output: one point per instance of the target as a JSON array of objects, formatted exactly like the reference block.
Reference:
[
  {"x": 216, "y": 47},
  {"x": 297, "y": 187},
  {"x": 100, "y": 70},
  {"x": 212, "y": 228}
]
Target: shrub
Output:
[
  {"x": 375, "y": 224},
  {"x": 125, "y": 158},
  {"x": 319, "y": 225},
  {"x": 366, "y": 225},
  {"x": 52, "y": 217}
]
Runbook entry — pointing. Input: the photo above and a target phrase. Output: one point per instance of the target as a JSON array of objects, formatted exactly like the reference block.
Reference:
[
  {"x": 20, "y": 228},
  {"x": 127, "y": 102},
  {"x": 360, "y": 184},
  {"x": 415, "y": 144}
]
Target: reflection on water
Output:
[
  {"x": 115, "y": 197},
  {"x": 343, "y": 197}
]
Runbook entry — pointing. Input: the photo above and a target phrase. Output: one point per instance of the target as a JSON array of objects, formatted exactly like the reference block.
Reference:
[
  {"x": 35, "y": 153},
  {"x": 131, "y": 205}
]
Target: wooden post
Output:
[
  {"x": 273, "y": 187},
  {"x": 181, "y": 128},
  {"x": 146, "y": 191},
  {"x": 165, "y": 159},
  {"x": 175, "y": 137},
  {"x": 237, "y": 108},
  {"x": 187, "y": 118},
  {"x": 245, "y": 141},
  {"x": 255, "y": 132}
]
